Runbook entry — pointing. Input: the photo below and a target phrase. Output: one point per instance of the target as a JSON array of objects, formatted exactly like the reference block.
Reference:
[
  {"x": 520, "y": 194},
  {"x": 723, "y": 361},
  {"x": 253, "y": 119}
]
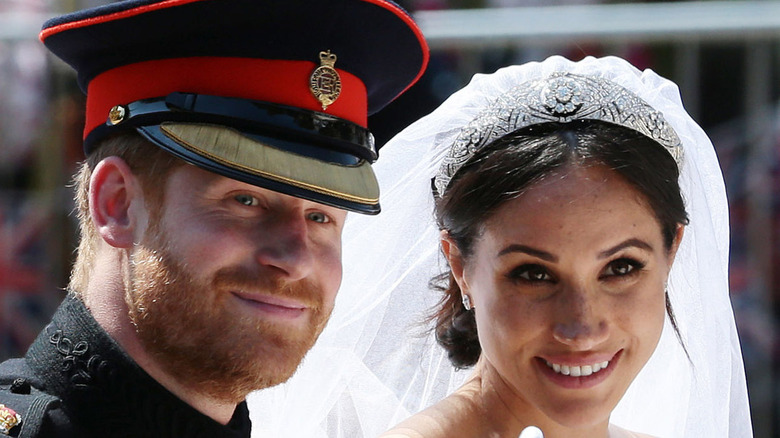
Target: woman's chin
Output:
[{"x": 581, "y": 416}]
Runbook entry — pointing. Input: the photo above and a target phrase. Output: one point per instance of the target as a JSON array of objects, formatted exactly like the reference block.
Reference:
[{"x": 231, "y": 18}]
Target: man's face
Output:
[{"x": 231, "y": 284}]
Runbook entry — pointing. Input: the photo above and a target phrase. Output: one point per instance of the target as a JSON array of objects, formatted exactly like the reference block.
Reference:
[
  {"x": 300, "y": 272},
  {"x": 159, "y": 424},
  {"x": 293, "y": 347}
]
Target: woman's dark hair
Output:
[{"x": 503, "y": 170}]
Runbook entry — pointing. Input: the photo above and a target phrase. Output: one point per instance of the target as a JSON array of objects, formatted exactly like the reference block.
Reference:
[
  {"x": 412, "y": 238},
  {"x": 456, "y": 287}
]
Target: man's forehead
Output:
[{"x": 210, "y": 183}]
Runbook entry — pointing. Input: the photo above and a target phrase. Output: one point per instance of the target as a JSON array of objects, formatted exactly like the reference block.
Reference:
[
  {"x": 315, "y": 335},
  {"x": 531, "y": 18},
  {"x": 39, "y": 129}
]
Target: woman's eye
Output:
[
  {"x": 249, "y": 201},
  {"x": 531, "y": 273},
  {"x": 621, "y": 267},
  {"x": 318, "y": 217}
]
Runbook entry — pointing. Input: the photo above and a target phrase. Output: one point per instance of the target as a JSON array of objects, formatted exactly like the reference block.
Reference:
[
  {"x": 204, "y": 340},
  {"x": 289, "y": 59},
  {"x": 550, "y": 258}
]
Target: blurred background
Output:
[{"x": 725, "y": 55}]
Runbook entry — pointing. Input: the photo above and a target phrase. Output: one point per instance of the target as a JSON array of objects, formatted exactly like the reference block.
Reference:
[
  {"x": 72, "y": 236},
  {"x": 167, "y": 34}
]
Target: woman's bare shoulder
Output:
[
  {"x": 419, "y": 425},
  {"x": 447, "y": 419},
  {"x": 619, "y": 432}
]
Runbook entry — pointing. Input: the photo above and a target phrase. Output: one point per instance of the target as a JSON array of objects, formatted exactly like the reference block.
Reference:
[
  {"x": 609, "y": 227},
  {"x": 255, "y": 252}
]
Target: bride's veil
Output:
[{"x": 376, "y": 363}]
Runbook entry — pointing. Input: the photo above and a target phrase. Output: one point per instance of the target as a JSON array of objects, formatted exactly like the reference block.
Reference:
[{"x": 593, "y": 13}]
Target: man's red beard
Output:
[{"x": 187, "y": 326}]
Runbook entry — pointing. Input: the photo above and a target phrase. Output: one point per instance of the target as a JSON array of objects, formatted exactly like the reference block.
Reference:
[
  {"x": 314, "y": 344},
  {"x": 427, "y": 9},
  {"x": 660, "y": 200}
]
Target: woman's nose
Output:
[{"x": 580, "y": 322}]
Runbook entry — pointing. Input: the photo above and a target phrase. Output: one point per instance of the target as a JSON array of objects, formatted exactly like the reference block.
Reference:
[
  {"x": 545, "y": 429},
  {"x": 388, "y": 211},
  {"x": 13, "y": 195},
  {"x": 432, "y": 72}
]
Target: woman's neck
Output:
[{"x": 502, "y": 413}]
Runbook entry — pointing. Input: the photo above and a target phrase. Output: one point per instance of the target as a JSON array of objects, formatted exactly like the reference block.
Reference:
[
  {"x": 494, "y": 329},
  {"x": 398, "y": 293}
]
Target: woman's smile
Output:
[{"x": 578, "y": 374}]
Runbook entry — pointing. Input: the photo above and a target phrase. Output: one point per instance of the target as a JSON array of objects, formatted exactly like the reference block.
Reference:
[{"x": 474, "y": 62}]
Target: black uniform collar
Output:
[{"x": 102, "y": 388}]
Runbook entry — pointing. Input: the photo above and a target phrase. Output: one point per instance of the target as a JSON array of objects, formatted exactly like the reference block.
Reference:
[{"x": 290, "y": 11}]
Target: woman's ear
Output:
[
  {"x": 455, "y": 259},
  {"x": 114, "y": 194},
  {"x": 678, "y": 236}
]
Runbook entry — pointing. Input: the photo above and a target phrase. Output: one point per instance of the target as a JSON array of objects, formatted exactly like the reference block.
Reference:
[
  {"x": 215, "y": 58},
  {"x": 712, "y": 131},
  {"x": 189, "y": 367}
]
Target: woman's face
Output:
[{"x": 567, "y": 282}]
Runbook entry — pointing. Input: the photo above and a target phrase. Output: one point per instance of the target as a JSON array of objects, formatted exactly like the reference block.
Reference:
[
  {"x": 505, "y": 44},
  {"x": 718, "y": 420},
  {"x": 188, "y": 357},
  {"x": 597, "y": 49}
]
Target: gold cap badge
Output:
[
  {"x": 8, "y": 419},
  {"x": 117, "y": 114},
  {"x": 325, "y": 82}
]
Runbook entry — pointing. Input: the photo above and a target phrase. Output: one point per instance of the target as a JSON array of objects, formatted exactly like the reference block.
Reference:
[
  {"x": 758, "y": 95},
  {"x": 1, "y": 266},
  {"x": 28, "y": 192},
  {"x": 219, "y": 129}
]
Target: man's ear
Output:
[
  {"x": 115, "y": 202},
  {"x": 455, "y": 259}
]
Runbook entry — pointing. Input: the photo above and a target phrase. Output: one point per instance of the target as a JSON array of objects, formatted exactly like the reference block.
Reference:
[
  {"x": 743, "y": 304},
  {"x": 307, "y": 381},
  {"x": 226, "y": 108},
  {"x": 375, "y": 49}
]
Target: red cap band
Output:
[{"x": 276, "y": 81}]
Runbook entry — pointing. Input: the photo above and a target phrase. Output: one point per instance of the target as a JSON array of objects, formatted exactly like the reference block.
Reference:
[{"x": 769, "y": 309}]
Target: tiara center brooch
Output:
[
  {"x": 325, "y": 82},
  {"x": 562, "y": 96}
]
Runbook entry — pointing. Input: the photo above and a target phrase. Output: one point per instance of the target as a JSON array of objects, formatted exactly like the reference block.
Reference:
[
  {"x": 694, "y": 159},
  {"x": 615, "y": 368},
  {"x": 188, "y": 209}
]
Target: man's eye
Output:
[
  {"x": 318, "y": 217},
  {"x": 249, "y": 201}
]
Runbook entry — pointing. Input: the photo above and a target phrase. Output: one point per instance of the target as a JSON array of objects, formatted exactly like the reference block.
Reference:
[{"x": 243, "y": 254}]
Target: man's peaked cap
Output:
[{"x": 275, "y": 93}]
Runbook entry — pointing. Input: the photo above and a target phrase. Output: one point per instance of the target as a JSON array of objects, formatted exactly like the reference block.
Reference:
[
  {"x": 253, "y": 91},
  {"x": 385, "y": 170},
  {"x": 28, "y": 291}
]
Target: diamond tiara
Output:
[{"x": 560, "y": 98}]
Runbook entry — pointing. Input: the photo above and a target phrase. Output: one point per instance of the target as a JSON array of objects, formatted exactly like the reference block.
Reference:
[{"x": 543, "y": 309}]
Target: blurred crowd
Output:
[{"x": 40, "y": 131}]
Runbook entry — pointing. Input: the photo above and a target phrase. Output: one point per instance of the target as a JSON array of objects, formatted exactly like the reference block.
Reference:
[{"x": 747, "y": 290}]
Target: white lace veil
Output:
[{"x": 376, "y": 364}]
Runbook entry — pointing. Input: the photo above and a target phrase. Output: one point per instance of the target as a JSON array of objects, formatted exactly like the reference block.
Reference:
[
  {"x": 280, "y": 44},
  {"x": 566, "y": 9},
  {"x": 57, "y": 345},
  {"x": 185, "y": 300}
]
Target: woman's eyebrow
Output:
[
  {"x": 633, "y": 242},
  {"x": 544, "y": 255}
]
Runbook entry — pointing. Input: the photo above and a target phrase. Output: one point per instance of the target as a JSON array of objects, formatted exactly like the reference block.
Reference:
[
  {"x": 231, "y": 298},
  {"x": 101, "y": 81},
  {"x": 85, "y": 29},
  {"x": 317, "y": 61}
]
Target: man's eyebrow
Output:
[
  {"x": 544, "y": 255},
  {"x": 634, "y": 242}
]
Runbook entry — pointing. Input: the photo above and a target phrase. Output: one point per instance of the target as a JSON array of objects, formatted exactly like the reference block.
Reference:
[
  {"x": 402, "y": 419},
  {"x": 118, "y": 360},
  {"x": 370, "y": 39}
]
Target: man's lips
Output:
[{"x": 272, "y": 305}]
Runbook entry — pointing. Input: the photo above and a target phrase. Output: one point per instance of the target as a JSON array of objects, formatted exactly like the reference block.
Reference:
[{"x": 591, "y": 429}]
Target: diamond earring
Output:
[{"x": 466, "y": 302}]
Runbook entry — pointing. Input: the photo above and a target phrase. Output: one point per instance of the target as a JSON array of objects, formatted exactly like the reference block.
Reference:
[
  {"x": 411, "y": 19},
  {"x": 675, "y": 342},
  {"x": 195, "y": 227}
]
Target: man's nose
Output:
[
  {"x": 580, "y": 322},
  {"x": 286, "y": 247}
]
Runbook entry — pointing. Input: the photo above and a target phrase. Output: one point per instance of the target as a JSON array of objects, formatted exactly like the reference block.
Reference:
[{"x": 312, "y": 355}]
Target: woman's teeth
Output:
[{"x": 578, "y": 371}]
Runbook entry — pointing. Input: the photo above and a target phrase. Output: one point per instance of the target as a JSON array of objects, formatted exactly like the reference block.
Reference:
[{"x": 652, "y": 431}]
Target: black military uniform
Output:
[
  {"x": 75, "y": 381},
  {"x": 282, "y": 90}
]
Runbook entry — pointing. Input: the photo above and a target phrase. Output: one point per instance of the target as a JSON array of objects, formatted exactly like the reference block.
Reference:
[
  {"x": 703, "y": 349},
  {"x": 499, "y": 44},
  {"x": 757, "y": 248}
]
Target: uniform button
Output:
[
  {"x": 117, "y": 114},
  {"x": 20, "y": 386}
]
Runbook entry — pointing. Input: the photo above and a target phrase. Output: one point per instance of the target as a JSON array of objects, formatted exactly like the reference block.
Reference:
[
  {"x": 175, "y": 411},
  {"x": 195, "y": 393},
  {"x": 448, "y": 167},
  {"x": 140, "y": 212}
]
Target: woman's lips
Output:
[
  {"x": 577, "y": 370},
  {"x": 580, "y": 373}
]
